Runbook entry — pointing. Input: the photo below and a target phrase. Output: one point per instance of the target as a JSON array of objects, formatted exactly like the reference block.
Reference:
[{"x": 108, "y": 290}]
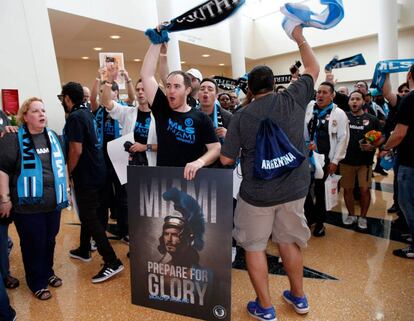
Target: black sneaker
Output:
[
  {"x": 407, "y": 253},
  {"x": 125, "y": 239},
  {"x": 108, "y": 271},
  {"x": 319, "y": 230},
  {"x": 393, "y": 209},
  {"x": 78, "y": 254},
  {"x": 380, "y": 171}
]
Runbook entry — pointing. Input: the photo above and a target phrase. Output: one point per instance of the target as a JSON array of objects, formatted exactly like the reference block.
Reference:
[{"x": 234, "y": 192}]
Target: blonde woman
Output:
[{"x": 33, "y": 192}]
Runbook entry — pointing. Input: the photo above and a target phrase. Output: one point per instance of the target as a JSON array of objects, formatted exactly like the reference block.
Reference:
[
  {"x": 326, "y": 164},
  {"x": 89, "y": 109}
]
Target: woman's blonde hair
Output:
[{"x": 25, "y": 108}]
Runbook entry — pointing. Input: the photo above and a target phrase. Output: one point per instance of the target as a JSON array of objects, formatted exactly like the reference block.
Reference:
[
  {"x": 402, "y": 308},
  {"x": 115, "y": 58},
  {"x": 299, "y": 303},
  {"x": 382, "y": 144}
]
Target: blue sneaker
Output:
[
  {"x": 257, "y": 312},
  {"x": 300, "y": 304}
]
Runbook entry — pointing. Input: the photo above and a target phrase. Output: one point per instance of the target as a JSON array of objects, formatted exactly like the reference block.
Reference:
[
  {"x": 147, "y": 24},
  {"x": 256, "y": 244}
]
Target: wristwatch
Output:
[{"x": 149, "y": 148}]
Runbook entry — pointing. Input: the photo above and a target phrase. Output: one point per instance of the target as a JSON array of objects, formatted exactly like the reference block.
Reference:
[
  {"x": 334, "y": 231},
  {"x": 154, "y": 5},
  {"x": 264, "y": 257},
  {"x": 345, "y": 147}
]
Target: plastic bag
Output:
[{"x": 331, "y": 191}]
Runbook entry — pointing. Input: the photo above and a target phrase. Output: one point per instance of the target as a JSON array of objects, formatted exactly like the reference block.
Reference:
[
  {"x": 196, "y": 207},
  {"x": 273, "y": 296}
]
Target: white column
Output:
[
  {"x": 27, "y": 57},
  {"x": 166, "y": 13},
  {"x": 388, "y": 33},
  {"x": 238, "y": 65}
]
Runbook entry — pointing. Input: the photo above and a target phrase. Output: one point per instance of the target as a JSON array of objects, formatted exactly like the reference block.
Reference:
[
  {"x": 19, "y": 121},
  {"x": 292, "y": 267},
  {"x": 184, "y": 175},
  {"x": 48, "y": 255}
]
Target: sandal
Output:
[
  {"x": 43, "y": 294},
  {"x": 55, "y": 281},
  {"x": 11, "y": 282}
]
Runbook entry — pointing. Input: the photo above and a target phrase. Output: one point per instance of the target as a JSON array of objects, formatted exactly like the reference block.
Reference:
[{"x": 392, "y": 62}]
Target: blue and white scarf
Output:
[
  {"x": 299, "y": 14},
  {"x": 30, "y": 180},
  {"x": 346, "y": 62},
  {"x": 100, "y": 124},
  {"x": 206, "y": 14},
  {"x": 387, "y": 67}
]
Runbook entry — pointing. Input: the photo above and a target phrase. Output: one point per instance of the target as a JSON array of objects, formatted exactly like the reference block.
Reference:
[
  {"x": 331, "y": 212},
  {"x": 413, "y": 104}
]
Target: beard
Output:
[{"x": 65, "y": 107}]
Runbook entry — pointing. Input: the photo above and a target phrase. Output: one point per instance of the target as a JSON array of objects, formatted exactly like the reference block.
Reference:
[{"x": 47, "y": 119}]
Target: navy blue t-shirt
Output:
[
  {"x": 182, "y": 137},
  {"x": 90, "y": 172}
]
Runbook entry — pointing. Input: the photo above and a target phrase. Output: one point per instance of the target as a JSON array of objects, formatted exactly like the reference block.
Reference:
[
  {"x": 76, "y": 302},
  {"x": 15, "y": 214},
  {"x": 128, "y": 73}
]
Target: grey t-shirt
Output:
[
  {"x": 287, "y": 110},
  {"x": 10, "y": 163}
]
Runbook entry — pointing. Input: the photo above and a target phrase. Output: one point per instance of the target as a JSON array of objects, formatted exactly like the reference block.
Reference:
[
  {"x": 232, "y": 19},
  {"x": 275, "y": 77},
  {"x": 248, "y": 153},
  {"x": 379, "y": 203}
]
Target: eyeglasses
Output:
[{"x": 60, "y": 97}]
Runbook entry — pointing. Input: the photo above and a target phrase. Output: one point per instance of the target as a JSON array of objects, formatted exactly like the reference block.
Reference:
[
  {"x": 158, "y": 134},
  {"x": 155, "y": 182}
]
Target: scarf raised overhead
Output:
[
  {"x": 299, "y": 14},
  {"x": 206, "y": 14}
]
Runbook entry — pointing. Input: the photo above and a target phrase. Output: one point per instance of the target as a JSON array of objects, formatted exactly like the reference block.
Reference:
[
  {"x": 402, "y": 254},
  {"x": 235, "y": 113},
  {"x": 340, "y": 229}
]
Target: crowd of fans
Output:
[{"x": 335, "y": 123}]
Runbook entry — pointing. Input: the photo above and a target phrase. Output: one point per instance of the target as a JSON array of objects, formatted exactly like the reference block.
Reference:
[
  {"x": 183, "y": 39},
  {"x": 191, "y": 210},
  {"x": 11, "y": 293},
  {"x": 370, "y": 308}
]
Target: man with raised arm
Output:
[
  {"x": 186, "y": 137},
  {"x": 273, "y": 207}
]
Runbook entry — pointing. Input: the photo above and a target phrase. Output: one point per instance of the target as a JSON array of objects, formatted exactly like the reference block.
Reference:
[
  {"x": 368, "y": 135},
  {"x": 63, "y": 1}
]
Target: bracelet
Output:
[
  {"x": 302, "y": 43},
  {"x": 163, "y": 55},
  {"x": 108, "y": 84}
]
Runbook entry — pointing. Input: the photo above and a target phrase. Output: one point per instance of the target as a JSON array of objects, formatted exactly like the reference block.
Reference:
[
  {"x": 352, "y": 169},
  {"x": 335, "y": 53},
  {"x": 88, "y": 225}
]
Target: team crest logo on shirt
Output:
[
  {"x": 188, "y": 122},
  {"x": 334, "y": 123},
  {"x": 365, "y": 122}
]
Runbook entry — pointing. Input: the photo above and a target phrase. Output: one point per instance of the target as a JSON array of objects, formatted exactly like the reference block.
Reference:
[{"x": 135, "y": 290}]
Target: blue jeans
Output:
[
  {"x": 406, "y": 195},
  {"x": 4, "y": 256},
  {"x": 37, "y": 233}
]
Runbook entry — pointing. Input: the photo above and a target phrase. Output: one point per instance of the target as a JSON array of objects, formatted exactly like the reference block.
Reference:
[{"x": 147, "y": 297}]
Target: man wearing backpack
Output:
[{"x": 273, "y": 206}]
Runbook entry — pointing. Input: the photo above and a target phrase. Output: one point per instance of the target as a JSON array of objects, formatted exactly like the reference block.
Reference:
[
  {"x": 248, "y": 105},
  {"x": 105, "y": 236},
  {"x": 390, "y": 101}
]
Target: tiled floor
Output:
[{"x": 358, "y": 277}]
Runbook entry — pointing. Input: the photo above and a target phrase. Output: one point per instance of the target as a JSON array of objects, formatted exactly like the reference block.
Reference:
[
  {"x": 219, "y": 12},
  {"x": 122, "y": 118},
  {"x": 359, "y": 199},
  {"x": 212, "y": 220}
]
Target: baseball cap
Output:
[{"x": 195, "y": 73}]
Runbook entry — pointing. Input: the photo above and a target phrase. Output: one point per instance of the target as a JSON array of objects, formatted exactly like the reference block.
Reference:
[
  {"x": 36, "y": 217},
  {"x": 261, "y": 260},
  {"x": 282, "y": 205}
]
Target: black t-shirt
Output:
[
  {"x": 142, "y": 125},
  {"x": 405, "y": 116},
  {"x": 182, "y": 137},
  {"x": 358, "y": 127},
  {"x": 90, "y": 172},
  {"x": 10, "y": 163}
]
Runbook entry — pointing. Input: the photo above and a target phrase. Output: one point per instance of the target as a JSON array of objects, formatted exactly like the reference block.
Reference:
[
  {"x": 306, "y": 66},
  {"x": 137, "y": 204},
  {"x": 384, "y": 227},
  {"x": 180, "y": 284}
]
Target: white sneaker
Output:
[
  {"x": 362, "y": 223},
  {"x": 233, "y": 253},
  {"x": 350, "y": 220}
]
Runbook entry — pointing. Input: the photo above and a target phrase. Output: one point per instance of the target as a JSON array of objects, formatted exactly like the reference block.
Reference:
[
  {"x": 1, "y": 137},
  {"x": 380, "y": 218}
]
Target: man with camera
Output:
[{"x": 132, "y": 119}]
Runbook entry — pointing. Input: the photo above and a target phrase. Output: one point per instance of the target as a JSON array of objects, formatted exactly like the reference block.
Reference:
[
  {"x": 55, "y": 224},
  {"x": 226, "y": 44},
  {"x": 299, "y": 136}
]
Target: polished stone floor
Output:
[{"x": 349, "y": 275}]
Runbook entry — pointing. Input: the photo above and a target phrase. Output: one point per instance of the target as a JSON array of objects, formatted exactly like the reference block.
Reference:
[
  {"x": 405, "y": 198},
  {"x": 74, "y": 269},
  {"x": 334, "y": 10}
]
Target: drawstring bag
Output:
[{"x": 275, "y": 154}]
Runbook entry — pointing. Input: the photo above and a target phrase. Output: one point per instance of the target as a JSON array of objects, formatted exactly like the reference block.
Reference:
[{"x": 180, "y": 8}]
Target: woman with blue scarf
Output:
[{"x": 33, "y": 191}]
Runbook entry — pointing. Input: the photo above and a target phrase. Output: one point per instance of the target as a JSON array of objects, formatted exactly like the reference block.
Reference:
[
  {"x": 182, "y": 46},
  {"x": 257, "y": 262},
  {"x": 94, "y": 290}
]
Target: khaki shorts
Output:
[
  {"x": 285, "y": 222},
  {"x": 349, "y": 172}
]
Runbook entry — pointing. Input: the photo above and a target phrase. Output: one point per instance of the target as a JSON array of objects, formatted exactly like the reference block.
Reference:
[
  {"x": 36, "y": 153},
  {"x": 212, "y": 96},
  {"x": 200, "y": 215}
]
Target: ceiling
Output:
[{"x": 75, "y": 37}]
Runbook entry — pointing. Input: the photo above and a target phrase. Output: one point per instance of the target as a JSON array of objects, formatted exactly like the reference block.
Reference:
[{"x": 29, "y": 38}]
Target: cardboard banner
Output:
[
  {"x": 119, "y": 157},
  {"x": 180, "y": 240},
  {"x": 117, "y": 59}
]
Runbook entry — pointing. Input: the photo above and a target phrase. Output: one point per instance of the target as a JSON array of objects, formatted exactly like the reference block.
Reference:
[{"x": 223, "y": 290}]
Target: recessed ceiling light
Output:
[
  {"x": 137, "y": 59},
  {"x": 97, "y": 48},
  {"x": 183, "y": 62},
  {"x": 205, "y": 55},
  {"x": 114, "y": 37},
  {"x": 85, "y": 58},
  {"x": 221, "y": 64}
]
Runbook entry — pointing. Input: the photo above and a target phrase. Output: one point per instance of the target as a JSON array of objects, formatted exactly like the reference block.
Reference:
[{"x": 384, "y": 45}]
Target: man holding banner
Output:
[{"x": 273, "y": 207}]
